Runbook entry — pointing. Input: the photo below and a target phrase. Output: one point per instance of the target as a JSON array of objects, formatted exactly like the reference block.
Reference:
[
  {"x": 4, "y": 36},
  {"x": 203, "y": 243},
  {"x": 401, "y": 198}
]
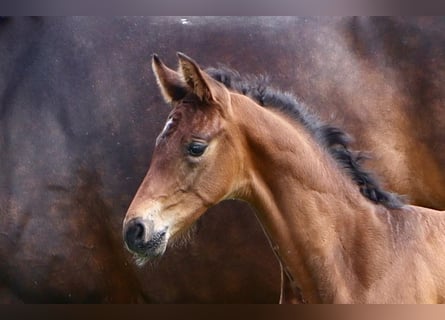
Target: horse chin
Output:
[
  {"x": 141, "y": 261},
  {"x": 152, "y": 256}
]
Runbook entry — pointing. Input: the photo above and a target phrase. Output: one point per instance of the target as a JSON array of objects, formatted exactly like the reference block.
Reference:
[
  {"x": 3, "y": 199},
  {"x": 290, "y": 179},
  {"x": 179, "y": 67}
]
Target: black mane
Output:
[{"x": 334, "y": 139}]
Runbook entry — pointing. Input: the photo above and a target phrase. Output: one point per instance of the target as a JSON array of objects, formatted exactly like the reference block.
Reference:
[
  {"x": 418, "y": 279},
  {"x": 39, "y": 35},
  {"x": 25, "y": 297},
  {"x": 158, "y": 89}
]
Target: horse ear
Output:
[
  {"x": 170, "y": 82},
  {"x": 204, "y": 86}
]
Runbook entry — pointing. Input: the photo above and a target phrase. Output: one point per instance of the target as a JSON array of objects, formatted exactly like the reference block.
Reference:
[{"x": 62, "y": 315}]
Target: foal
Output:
[{"x": 338, "y": 236}]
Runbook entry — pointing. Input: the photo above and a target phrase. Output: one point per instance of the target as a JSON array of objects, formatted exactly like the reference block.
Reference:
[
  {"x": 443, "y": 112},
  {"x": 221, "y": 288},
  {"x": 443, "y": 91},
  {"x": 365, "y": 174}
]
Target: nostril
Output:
[
  {"x": 134, "y": 234},
  {"x": 139, "y": 231}
]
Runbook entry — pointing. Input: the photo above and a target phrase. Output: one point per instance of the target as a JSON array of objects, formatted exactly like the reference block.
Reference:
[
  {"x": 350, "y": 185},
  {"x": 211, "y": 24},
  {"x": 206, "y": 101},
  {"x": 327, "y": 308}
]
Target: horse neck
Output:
[{"x": 310, "y": 209}]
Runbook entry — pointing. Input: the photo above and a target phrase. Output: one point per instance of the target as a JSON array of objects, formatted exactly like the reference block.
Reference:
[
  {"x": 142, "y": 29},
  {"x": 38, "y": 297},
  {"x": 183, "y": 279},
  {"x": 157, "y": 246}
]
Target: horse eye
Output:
[{"x": 196, "y": 149}]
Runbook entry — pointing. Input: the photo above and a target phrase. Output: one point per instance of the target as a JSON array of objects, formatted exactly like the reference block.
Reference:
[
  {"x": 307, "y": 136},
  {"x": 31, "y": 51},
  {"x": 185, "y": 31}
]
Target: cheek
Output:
[{"x": 217, "y": 176}]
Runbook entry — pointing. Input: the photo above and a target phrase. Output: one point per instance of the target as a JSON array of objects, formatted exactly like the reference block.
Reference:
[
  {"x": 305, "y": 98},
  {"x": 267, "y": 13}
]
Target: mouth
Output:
[{"x": 151, "y": 252}]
